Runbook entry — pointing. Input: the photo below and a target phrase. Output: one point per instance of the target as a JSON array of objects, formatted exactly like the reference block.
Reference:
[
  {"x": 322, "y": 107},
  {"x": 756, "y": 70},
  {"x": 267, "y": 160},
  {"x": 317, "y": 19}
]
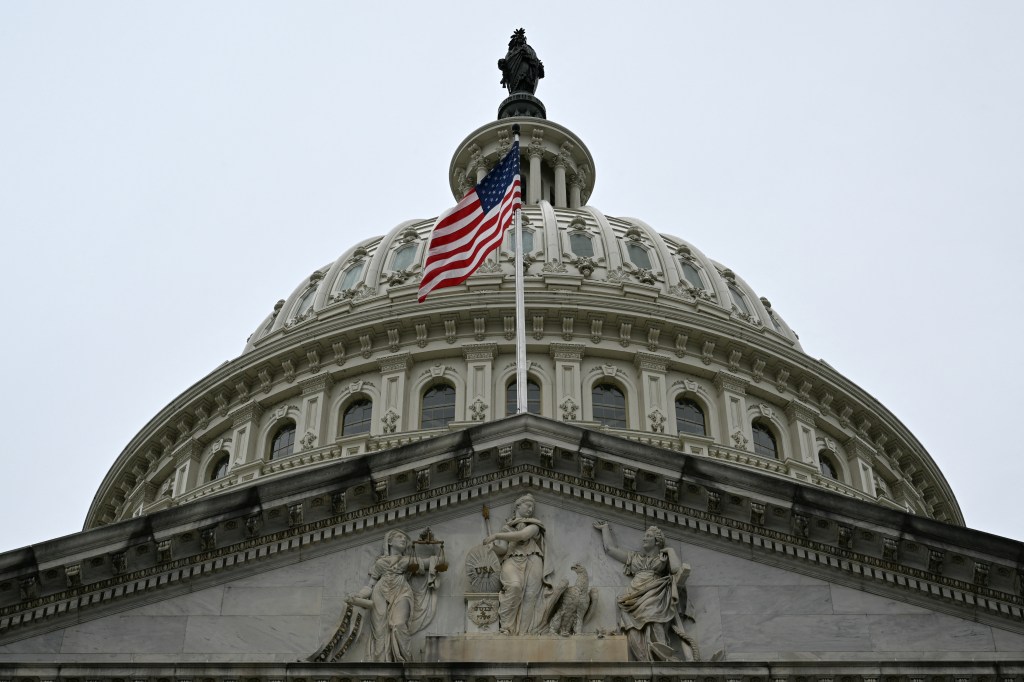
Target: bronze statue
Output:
[{"x": 520, "y": 69}]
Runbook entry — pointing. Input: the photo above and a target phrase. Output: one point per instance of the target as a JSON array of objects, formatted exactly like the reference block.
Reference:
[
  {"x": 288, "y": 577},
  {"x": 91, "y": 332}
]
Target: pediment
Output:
[{"x": 777, "y": 571}]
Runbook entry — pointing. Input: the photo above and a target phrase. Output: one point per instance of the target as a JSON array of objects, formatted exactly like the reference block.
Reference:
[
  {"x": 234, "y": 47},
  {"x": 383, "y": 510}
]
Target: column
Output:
[
  {"x": 533, "y": 191},
  {"x": 563, "y": 161},
  {"x": 575, "y": 187}
]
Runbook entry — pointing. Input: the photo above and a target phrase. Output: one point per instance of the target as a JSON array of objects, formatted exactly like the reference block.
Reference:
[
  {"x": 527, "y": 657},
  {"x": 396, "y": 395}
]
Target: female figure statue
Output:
[
  {"x": 524, "y": 571},
  {"x": 397, "y": 611},
  {"x": 651, "y": 605}
]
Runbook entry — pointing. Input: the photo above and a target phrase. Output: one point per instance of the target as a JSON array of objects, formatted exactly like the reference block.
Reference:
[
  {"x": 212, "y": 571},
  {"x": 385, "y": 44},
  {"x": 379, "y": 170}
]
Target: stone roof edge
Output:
[
  {"x": 813, "y": 531},
  {"x": 1011, "y": 670}
]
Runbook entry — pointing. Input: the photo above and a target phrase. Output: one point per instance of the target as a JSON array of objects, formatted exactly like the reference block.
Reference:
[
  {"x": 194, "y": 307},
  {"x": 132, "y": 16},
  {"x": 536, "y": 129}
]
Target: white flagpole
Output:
[{"x": 521, "y": 397}]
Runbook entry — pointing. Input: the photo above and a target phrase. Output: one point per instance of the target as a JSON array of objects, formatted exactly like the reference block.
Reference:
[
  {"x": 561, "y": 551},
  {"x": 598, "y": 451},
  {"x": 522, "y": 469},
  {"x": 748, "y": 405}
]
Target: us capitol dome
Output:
[
  {"x": 319, "y": 509},
  {"x": 630, "y": 331}
]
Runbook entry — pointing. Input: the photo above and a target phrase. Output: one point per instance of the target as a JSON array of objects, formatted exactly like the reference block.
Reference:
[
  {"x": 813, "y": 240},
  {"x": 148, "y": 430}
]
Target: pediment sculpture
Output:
[
  {"x": 654, "y": 604},
  {"x": 397, "y": 605},
  {"x": 511, "y": 592}
]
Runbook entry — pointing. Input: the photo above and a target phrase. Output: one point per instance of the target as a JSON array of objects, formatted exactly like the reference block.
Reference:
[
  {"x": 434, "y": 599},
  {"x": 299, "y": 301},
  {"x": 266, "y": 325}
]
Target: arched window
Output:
[
  {"x": 356, "y": 418},
  {"x": 283, "y": 443},
  {"x": 438, "y": 407},
  {"x": 639, "y": 256},
  {"x": 219, "y": 468},
  {"x": 532, "y": 397},
  {"x": 738, "y": 300},
  {"x": 689, "y": 417},
  {"x": 403, "y": 257},
  {"x": 764, "y": 441},
  {"x": 305, "y": 302},
  {"x": 609, "y": 405},
  {"x": 351, "y": 277},
  {"x": 527, "y": 240},
  {"x": 828, "y": 469},
  {"x": 692, "y": 275},
  {"x": 581, "y": 244}
]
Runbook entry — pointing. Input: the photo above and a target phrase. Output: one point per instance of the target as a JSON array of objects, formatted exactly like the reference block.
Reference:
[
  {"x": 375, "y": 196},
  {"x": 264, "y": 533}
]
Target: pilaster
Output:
[
  {"x": 245, "y": 432},
  {"x": 654, "y": 392},
  {"x": 186, "y": 464},
  {"x": 312, "y": 430},
  {"x": 568, "y": 380},
  {"x": 859, "y": 458},
  {"x": 732, "y": 401},
  {"x": 394, "y": 371},
  {"x": 802, "y": 433},
  {"x": 479, "y": 392}
]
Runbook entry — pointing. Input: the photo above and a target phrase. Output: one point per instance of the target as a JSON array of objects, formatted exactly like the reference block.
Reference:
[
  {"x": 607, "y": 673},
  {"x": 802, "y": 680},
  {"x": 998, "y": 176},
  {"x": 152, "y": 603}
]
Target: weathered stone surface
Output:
[
  {"x": 928, "y": 632},
  {"x": 122, "y": 634},
  {"x": 714, "y": 568},
  {"x": 533, "y": 648},
  {"x": 847, "y": 600},
  {"x": 206, "y": 602},
  {"x": 775, "y": 599},
  {"x": 791, "y": 634},
  {"x": 43, "y": 644},
  {"x": 277, "y": 601},
  {"x": 251, "y": 634}
]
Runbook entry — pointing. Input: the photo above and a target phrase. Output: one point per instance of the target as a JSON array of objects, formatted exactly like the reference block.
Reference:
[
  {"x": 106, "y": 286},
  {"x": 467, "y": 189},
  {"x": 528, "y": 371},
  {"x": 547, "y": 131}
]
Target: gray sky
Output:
[{"x": 169, "y": 170}]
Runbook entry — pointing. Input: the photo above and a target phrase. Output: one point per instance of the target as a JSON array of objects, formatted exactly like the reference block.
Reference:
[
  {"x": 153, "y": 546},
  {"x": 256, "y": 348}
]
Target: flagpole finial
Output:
[{"x": 515, "y": 128}]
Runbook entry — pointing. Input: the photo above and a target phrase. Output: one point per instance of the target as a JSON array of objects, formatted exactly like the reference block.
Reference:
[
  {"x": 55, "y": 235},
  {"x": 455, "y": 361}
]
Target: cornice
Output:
[
  {"x": 695, "y": 500},
  {"x": 1007, "y": 668}
]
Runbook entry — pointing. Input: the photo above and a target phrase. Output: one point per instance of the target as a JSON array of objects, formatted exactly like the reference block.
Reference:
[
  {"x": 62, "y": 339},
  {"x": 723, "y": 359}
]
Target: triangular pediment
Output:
[{"x": 778, "y": 571}]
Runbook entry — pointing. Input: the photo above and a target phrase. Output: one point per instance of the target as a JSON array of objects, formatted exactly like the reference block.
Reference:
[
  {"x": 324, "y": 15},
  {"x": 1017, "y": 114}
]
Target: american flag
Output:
[{"x": 468, "y": 233}]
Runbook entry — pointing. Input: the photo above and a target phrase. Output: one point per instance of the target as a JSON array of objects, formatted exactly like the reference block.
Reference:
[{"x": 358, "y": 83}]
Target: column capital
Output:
[
  {"x": 479, "y": 351},
  {"x": 728, "y": 382},
  {"x": 798, "y": 412},
  {"x": 567, "y": 351},
  {"x": 650, "y": 362},
  {"x": 395, "y": 363},
  {"x": 316, "y": 384}
]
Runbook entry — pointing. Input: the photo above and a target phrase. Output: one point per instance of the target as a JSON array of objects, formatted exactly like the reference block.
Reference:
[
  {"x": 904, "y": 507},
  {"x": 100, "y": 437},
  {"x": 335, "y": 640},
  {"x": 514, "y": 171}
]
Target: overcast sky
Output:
[{"x": 169, "y": 170}]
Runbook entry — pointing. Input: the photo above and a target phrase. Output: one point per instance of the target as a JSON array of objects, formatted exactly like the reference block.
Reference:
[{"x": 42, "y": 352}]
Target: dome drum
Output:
[{"x": 653, "y": 348}]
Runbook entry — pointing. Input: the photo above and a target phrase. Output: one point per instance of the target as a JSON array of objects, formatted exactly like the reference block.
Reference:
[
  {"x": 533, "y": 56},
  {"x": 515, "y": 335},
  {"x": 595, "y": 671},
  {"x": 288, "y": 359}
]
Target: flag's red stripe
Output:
[{"x": 464, "y": 237}]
